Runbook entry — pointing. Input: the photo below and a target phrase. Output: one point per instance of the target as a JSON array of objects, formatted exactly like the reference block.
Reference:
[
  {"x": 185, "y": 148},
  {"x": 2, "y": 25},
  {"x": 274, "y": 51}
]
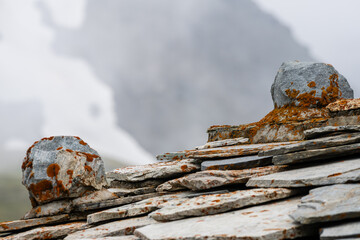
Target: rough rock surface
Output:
[
  {"x": 319, "y": 175},
  {"x": 318, "y": 132},
  {"x": 113, "y": 183},
  {"x": 344, "y": 105},
  {"x": 216, "y": 178},
  {"x": 266, "y": 222},
  {"x": 318, "y": 143},
  {"x": 156, "y": 170},
  {"x": 236, "y": 163},
  {"x": 345, "y": 230},
  {"x": 134, "y": 209},
  {"x": 52, "y": 232},
  {"x": 21, "y": 224},
  {"x": 330, "y": 203},
  {"x": 61, "y": 167},
  {"x": 317, "y": 154},
  {"x": 50, "y": 209},
  {"x": 118, "y": 228},
  {"x": 218, "y": 203},
  {"x": 224, "y": 143},
  {"x": 308, "y": 84}
]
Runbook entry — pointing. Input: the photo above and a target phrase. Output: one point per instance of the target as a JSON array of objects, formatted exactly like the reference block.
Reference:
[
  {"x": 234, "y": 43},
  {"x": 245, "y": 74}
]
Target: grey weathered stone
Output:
[
  {"x": 265, "y": 222},
  {"x": 94, "y": 197},
  {"x": 50, "y": 209},
  {"x": 234, "y": 151},
  {"x": 316, "y": 154},
  {"x": 344, "y": 105},
  {"x": 316, "y": 132},
  {"x": 21, "y": 224},
  {"x": 218, "y": 203},
  {"x": 344, "y": 230},
  {"x": 117, "y": 228},
  {"x": 308, "y": 84},
  {"x": 330, "y": 203},
  {"x": 223, "y": 143},
  {"x": 123, "y": 192},
  {"x": 155, "y": 170},
  {"x": 61, "y": 167},
  {"x": 173, "y": 156},
  {"x": 323, "y": 174},
  {"x": 134, "y": 209},
  {"x": 216, "y": 178},
  {"x": 113, "y": 202},
  {"x": 51, "y": 232},
  {"x": 223, "y": 152},
  {"x": 236, "y": 163},
  {"x": 127, "y": 237},
  {"x": 113, "y": 183},
  {"x": 319, "y": 143}
]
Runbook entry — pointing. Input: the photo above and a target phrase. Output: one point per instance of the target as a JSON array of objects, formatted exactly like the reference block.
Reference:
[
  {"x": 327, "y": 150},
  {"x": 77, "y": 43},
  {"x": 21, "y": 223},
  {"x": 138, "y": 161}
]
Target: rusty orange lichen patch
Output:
[
  {"x": 42, "y": 190},
  {"x": 49, "y": 138},
  {"x": 53, "y": 170},
  {"x": 4, "y": 226},
  {"x": 88, "y": 168},
  {"x": 184, "y": 167},
  {"x": 308, "y": 99},
  {"x": 59, "y": 148},
  {"x": 89, "y": 157},
  {"x": 312, "y": 84},
  {"x": 82, "y": 142}
]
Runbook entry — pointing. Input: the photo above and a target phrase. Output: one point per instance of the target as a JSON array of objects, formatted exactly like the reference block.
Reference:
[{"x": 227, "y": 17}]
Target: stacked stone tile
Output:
[{"x": 245, "y": 183}]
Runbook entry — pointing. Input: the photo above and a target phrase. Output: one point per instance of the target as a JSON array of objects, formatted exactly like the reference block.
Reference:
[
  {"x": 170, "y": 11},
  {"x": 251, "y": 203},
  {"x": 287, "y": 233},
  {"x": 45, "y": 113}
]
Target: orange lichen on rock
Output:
[
  {"x": 82, "y": 142},
  {"x": 53, "y": 170},
  {"x": 312, "y": 84},
  {"x": 88, "y": 168},
  {"x": 90, "y": 157},
  {"x": 42, "y": 190}
]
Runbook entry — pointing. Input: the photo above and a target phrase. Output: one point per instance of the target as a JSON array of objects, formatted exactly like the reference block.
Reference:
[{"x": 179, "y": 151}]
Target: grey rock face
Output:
[
  {"x": 316, "y": 132},
  {"x": 156, "y": 170},
  {"x": 123, "y": 227},
  {"x": 53, "y": 232},
  {"x": 21, "y": 224},
  {"x": 218, "y": 203},
  {"x": 50, "y": 209},
  {"x": 308, "y": 84},
  {"x": 345, "y": 230},
  {"x": 330, "y": 203},
  {"x": 317, "y": 154},
  {"x": 216, "y": 178},
  {"x": 324, "y": 174},
  {"x": 223, "y": 143},
  {"x": 318, "y": 143},
  {"x": 266, "y": 222},
  {"x": 236, "y": 163},
  {"x": 61, "y": 167}
]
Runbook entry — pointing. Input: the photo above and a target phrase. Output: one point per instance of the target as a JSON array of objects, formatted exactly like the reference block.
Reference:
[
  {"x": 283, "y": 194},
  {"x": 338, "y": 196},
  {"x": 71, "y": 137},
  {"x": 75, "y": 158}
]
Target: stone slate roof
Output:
[{"x": 234, "y": 187}]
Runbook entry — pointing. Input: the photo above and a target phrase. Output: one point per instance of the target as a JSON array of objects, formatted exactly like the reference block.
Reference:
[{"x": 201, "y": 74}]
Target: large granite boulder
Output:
[
  {"x": 61, "y": 167},
  {"x": 308, "y": 84}
]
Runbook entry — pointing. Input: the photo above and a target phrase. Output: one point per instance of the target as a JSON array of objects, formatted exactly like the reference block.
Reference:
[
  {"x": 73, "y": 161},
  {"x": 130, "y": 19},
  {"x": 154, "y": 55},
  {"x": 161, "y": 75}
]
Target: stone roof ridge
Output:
[{"x": 293, "y": 174}]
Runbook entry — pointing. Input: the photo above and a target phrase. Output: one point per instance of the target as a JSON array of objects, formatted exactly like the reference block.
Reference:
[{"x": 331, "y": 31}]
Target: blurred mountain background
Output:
[{"x": 133, "y": 78}]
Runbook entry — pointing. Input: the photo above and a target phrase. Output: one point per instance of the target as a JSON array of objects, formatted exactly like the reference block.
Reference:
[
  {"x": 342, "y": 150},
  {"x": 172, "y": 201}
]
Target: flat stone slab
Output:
[
  {"x": 113, "y": 202},
  {"x": 218, "y": 203},
  {"x": 316, "y": 132},
  {"x": 344, "y": 105},
  {"x": 93, "y": 198},
  {"x": 113, "y": 183},
  {"x": 345, "y": 230},
  {"x": 223, "y": 143},
  {"x": 134, "y": 209},
  {"x": 265, "y": 222},
  {"x": 51, "y": 232},
  {"x": 173, "y": 156},
  {"x": 50, "y": 209},
  {"x": 324, "y": 174},
  {"x": 124, "y": 192},
  {"x": 319, "y": 143},
  {"x": 216, "y": 178},
  {"x": 316, "y": 154},
  {"x": 236, "y": 163},
  {"x": 155, "y": 170},
  {"x": 234, "y": 151},
  {"x": 330, "y": 203},
  {"x": 118, "y": 228},
  {"x": 223, "y": 152},
  {"x": 21, "y": 224}
]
